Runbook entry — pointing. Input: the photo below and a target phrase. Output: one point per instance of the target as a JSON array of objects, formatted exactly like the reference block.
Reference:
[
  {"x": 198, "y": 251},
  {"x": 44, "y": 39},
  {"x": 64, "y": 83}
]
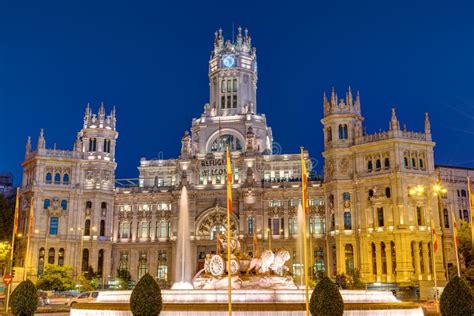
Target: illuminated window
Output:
[
  {"x": 142, "y": 264},
  {"x": 41, "y": 255},
  {"x": 292, "y": 226},
  {"x": 51, "y": 255},
  {"x": 53, "y": 225},
  {"x": 143, "y": 229},
  {"x": 349, "y": 255},
  {"x": 123, "y": 264},
  {"x": 61, "y": 257},
  {"x": 162, "y": 272},
  {"x": 220, "y": 143}
]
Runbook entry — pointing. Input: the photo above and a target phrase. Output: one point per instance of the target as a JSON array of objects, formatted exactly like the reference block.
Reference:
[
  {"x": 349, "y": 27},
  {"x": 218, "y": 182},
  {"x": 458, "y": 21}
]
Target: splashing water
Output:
[{"x": 183, "y": 273}]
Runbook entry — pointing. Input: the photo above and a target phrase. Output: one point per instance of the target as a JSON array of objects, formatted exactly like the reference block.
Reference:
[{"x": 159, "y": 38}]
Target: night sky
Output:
[{"x": 150, "y": 60}]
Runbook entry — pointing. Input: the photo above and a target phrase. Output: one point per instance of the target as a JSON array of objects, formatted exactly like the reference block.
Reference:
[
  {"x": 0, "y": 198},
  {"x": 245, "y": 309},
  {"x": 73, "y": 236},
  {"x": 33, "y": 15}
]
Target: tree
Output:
[
  {"x": 5, "y": 248},
  {"x": 24, "y": 299},
  {"x": 86, "y": 284},
  {"x": 7, "y": 210},
  {"x": 457, "y": 299},
  {"x": 146, "y": 297},
  {"x": 465, "y": 244},
  {"x": 56, "y": 278},
  {"x": 326, "y": 299}
]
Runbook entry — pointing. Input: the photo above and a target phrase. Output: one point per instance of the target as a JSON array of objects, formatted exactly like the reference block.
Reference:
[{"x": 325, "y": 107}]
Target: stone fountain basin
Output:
[{"x": 249, "y": 296}]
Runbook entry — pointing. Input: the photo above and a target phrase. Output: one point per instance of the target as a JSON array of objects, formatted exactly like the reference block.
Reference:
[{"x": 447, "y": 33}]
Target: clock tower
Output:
[{"x": 233, "y": 75}]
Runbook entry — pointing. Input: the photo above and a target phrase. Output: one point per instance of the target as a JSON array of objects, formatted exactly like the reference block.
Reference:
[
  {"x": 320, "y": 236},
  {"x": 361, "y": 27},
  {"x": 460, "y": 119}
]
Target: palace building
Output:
[{"x": 370, "y": 212}]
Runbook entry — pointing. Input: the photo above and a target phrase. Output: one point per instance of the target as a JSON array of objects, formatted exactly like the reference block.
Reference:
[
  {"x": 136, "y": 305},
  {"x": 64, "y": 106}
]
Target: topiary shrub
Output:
[
  {"x": 457, "y": 298},
  {"x": 24, "y": 299},
  {"x": 146, "y": 297},
  {"x": 326, "y": 299}
]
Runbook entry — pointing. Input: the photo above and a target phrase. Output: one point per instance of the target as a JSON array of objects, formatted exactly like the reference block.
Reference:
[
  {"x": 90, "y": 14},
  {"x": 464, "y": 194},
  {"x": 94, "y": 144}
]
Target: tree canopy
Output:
[
  {"x": 56, "y": 278},
  {"x": 146, "y": 297}
]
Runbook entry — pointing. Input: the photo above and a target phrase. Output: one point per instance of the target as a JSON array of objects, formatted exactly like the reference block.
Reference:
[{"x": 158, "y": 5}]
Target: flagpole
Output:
[
  {"x": 30, "y": 230},
  {"x": 455, "y": 236},
  {"x": 229, "y": 210},
  {"x": 305, "y": 250},
  {"x": 15, "y": 228}
]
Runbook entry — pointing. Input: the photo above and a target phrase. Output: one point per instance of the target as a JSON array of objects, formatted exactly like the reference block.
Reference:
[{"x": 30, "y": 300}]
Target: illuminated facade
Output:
[{"x": 361, "y": 216}]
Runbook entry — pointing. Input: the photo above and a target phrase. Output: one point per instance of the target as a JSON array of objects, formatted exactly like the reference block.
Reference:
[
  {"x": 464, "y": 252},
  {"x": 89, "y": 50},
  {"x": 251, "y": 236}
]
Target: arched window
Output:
[
  {"x": 374, "y": 259},
  {"x": 51, "y": 255},
  {"x": 163, "y": 229},
  {"x": 421, "y": 163},
  {"x": 384, "y": 257},
  {"x": 422, "y": 266},
  {"x": 220, "y": 143},
  {"x": 49, "y": 178},
  {"x": 85, "y": 259},
  {"x": 329, "y": 134},
  {"x": 333, "y": 221},
  {"x": 466, "y": 216},
  {"x": 143, "y": 229},
  {"x": 88, "y": 204},
  {"x": 371, "y": 193},
  {"x": 102, "y": 228},
  {"x": 347, "y": 221},
  {"x": 388, "y": 194},
  {"x": 394, "y": 257},
  {"x": 349, "y": 255},
  {"x": 344, "y": 131},
  {"x": 61, "y": 257},
  {"x": 341, "y": 132},
  {"x": 87, "y": 227},
  {"x": 369, "y": 166},
  {"x": 419, "y": 216},
  {"x": 123, "y": 264},
  {"x": 41, "y": 261},
  {"x": 57, "y": 178},
  {"x": 65, "y": 178},
  {"x": 106, "y": 145},
  {"x": 446, "y": 218},
  {"x": 100, "y": 262},
  {"x": 46, "y": 204},
  {"x": 92, "y": 144},
  {"x": 386, "y": 163},
  {"x": 413, "y": 163},
  {"x": 103, "y": 205},
  {"x": 217, "y": 229},
  {"x": 378, "y": 164},
  {"x": 64, "y": 205},
  {"x": 405, "y": 161}
]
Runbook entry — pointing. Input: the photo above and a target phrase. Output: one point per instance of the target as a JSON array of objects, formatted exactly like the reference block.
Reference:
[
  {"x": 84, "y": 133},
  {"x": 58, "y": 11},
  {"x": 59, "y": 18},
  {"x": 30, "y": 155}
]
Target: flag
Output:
[
  {"x": 304, "y": 182},
  {"x": 229, "y": 181},
  {"x": 435, "y": 240},
  {"x": 255, "y": 245},
  {"x": 17, "y": 212},
  {"x": 455, "y": 231}
]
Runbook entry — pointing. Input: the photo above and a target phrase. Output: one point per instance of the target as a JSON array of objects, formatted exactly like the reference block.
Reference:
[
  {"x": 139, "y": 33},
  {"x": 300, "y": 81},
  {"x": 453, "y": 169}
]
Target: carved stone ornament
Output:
[
  {"x": 329, "y": 168},
  {"x": 343, "y": 165}
]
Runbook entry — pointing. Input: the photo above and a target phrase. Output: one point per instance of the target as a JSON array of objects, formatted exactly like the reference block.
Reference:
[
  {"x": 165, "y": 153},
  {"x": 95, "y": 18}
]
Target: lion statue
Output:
[{"x": 269, "y": 261}]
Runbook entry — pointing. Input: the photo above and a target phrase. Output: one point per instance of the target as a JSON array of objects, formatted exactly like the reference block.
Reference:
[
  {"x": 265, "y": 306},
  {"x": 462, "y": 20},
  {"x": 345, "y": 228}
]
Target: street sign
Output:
[{"x": 7, "y": 279}]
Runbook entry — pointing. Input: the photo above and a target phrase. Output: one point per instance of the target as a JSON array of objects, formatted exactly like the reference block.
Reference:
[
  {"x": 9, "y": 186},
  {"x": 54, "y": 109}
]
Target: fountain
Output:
[{"x": 183, "y": 248}]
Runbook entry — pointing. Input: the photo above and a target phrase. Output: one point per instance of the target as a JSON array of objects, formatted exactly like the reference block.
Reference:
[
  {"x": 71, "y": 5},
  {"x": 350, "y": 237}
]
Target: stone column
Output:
[
  {"x": 378, "y": 256},
  {"x": 426, "y": 258},
  {"x": 416, "y": 252},
  {"x": 388, "y": 256}
]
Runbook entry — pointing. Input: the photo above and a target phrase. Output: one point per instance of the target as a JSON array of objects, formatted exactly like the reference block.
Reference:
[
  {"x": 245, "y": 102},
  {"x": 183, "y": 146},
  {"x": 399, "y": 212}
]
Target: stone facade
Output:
[{"x": 362, "y": 215}]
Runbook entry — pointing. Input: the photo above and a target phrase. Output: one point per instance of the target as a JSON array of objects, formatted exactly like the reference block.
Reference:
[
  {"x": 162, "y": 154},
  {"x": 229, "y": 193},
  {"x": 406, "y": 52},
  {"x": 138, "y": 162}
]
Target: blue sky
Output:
[{"x": 149, "y": 58}]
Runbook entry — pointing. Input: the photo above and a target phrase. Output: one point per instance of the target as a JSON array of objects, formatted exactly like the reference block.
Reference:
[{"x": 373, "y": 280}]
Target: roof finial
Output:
[
  {"x": 28, "y": 146},
  {"x": 394, "y": 124},
  {"x": 427, "y": 124},
  {"x": 41, "y": 140}
]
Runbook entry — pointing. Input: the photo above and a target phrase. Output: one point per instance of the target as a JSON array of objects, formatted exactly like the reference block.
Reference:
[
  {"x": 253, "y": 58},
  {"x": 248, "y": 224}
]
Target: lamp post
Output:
[{"x": 435, "y": 190}]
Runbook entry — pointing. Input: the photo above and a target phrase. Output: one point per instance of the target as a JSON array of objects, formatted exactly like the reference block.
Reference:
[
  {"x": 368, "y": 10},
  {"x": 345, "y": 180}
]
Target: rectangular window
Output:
[
  {"x": 419, "y": 216},
  {"x": 229, "y": 85},
  {"x": 292, "y": 227},
  {"x": 223, "y": 86},
  {"x": 53, "y": 225},
  {"x": 250, "y": 225},
  {"x": 234, "y": 86},
  {"x": 380, "y": 216},
  {"x": 228, "y": 101},
  {"x": 222, "y": 102},
  {"x": 234, "y": 102}
]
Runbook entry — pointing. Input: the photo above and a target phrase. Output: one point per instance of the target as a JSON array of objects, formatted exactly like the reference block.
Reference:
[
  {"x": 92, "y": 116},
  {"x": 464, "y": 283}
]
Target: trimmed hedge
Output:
[
  {"x": 326, "y": 299},
  {"x": 146, "y": 297},
  {"x": 457, "y": 299},
  {"x": 24, "y": 299}
]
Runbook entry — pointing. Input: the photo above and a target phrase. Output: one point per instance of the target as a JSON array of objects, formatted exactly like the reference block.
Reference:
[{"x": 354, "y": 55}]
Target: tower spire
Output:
[
  {"x": 41, "y": 141},
  {"x": 394, "y": 124}
]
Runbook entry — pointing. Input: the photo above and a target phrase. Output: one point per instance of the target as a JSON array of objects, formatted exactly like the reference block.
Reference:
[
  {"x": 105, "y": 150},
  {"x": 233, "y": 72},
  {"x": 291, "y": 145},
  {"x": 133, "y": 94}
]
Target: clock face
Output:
[{"x": 229, "y": 61}]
